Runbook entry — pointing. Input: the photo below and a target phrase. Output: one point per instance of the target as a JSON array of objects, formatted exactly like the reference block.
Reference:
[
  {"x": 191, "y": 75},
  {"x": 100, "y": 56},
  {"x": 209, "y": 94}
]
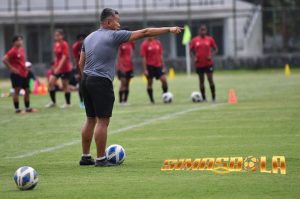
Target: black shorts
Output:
[
  {"x": 73, "y": 80},
  {"x": 208, "y": 69},
  {"x": 18, "y": 81},
  {"x": 66, "y": 75},
  {"x": 98, "y": 96},
  {"x": 156, "y": 72},
  {"x": 128, "y": 75}
]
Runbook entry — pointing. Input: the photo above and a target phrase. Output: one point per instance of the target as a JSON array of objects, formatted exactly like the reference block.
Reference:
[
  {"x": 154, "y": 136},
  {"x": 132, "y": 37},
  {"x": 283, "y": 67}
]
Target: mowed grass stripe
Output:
[{"x": 124, "y": 129}]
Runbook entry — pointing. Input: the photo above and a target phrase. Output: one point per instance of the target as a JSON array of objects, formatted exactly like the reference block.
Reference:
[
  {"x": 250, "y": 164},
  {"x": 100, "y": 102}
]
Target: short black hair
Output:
[
  {"x": 61, "y": 31},
  {"x": 80, "y": 36},
  {"x": 108, "y": 12},
  {"x": 16, "y": 38},
  {"x": 125, "y": 28},
  {"x": 203, "y": 26}
]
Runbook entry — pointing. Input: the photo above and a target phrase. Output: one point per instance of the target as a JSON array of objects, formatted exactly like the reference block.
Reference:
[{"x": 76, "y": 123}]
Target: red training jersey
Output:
[
  {"x": 152, "y": 51},
  {"x": 202, "y": 49},
  {"x": 60, "y": 49},
  {"x": 16, "y": 58},
  {"x": 125, "y": 57},
  {"x": 76, "y": 49}
]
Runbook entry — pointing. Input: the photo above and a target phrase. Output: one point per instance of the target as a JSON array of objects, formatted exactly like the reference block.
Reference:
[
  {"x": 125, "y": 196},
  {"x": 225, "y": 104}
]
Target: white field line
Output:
[{"x": 149, "y": 121}]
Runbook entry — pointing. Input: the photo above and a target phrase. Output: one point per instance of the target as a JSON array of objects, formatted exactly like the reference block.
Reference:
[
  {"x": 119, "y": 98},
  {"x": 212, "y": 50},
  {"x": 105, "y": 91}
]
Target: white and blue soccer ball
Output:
[
  {"x": 115, "y": 154},
  {"x": 167, "y": 97},
  {"x": 196, "y": 96},
  {"x": 26, "y": 178}
]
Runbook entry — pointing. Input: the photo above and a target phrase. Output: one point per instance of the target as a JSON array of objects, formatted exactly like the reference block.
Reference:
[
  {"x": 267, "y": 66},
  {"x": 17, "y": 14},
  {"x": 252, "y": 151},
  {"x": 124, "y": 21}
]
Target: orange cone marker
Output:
[
  {"x": 43, "y": 90},
  {"x": 232, "y": 97}
]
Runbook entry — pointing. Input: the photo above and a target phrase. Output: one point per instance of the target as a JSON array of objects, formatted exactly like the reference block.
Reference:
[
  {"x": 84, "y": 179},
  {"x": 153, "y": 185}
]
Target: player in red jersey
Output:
[
  {"x": 76, "y": 49},
  {"x": 61, "y": 69},
  {"x": 125, "y": 69},
  {"x": 152, "y": 53},
  {"x": 15, "y": 62},
  {"x": 204, "y": 47}
]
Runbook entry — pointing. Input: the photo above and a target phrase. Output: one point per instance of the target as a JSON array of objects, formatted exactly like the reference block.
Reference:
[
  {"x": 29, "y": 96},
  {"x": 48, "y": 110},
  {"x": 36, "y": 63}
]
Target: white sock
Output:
[
  {"x": 101, "y": 158},
  {"x": 86, "y": 155}
]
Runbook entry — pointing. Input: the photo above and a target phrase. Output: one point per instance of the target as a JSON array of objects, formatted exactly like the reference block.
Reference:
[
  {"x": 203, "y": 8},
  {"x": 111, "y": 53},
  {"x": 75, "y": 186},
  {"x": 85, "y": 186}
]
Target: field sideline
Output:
[{"x": 265, "y": 121}]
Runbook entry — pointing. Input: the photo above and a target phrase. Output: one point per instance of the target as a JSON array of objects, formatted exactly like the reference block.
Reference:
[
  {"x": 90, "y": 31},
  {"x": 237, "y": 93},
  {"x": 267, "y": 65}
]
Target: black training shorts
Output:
[
  {"x": 98, "y": 96},
  {"x": 153, "y": 71},
  {"x": 18, "y": 81},
  {"x": 73, "y": 79},
  {"x": 128, "y": 75},
  {"x": 65, "y": 76},
  {"x": 208, "y": 69}
]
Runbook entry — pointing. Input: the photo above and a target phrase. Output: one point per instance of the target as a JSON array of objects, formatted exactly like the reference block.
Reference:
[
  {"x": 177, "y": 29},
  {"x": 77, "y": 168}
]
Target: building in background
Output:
[{"x": 236, "y": 25}]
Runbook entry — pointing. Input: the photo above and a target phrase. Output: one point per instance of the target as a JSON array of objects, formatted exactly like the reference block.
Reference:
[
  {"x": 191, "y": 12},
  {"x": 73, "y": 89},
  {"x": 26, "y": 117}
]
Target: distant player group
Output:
[{"x": 203, "y": 47}]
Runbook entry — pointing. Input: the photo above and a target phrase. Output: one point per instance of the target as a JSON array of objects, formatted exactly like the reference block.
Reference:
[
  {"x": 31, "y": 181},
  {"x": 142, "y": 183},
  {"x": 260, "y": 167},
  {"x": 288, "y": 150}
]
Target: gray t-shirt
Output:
[{"x": 101, "y": 50}]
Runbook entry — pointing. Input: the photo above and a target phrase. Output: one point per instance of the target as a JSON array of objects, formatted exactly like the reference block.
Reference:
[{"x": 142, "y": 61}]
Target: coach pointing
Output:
[{"x": 97, "y": 65}]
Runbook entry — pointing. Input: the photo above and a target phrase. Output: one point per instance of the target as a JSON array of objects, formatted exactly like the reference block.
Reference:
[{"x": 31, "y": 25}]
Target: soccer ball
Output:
[
  {"x": 26, "y": 178},
  {"x": 167, "y": 97},
  {"x": 196, "y": 96},
  {"x": 115, "y": 154},
  {"x": 250, "y": 163}
]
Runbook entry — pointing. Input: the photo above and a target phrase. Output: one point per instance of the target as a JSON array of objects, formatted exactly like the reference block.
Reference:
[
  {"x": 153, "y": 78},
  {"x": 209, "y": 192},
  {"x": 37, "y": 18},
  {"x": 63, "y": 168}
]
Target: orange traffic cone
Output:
[
  {"x": 232, "y": 98},
  {"x": 43, "y": 90}
]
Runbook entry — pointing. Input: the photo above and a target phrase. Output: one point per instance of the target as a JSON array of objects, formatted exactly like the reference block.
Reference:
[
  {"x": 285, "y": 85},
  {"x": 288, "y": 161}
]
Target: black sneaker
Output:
[
  {"x": 86, "y": 160},
  {"x": 104, "y": 163},
  {"x": 18, "y": 111}
]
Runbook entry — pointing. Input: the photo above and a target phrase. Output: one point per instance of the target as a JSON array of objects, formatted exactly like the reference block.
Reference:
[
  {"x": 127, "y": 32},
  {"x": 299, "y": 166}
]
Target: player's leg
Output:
[
  {"x": 164, "y": 83},
  {"x": 66, "y": 88},
  {"x": 201, "y": 84},
  {"x": 159, "y": 74},
  {"x": 122, "y": 89},
  {"x": 16, "y": 85},
  {"x": 101, "y": 94},
  {"x": 126, "y": 91},
  {"x": 100, "y": 139},
  {"x": 211, "y": 85},
  {"x": 16, "y": 99},
  {"x": 150, "y": 83},
  {"x": 87, "y": 130},
  {"x": 86, "y": 140},
  {"x": 27, "y": 96},
  {"x": 27, "y": 101},
  {"x": 101, "y": 136},
  {"x": 52, "y": 91},
  {"x": 150, "y": 89}
]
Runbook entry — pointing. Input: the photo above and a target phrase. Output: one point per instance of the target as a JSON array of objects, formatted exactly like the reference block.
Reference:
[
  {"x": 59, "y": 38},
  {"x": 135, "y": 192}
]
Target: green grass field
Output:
[{"x": 265, "y": 121}]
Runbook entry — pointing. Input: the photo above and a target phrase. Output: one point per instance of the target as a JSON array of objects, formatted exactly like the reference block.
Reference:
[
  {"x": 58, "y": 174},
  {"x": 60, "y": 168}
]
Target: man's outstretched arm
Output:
[{"x": 151, "y": 32}]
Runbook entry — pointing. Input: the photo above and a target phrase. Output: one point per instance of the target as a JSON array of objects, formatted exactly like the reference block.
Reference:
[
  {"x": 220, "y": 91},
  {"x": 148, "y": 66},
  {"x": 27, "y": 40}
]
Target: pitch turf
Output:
[{"x": 265, "y": 121}]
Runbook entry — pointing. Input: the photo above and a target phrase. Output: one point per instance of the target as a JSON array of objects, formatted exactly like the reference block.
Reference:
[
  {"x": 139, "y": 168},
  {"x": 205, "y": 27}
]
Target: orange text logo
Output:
[{"x": 223, "y": 165}]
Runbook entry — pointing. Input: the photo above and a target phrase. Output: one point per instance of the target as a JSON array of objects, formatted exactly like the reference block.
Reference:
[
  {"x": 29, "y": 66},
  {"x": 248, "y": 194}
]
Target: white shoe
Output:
[
  {"x": 50, "y": 105},
  {"x": 66, "y": 106}
]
